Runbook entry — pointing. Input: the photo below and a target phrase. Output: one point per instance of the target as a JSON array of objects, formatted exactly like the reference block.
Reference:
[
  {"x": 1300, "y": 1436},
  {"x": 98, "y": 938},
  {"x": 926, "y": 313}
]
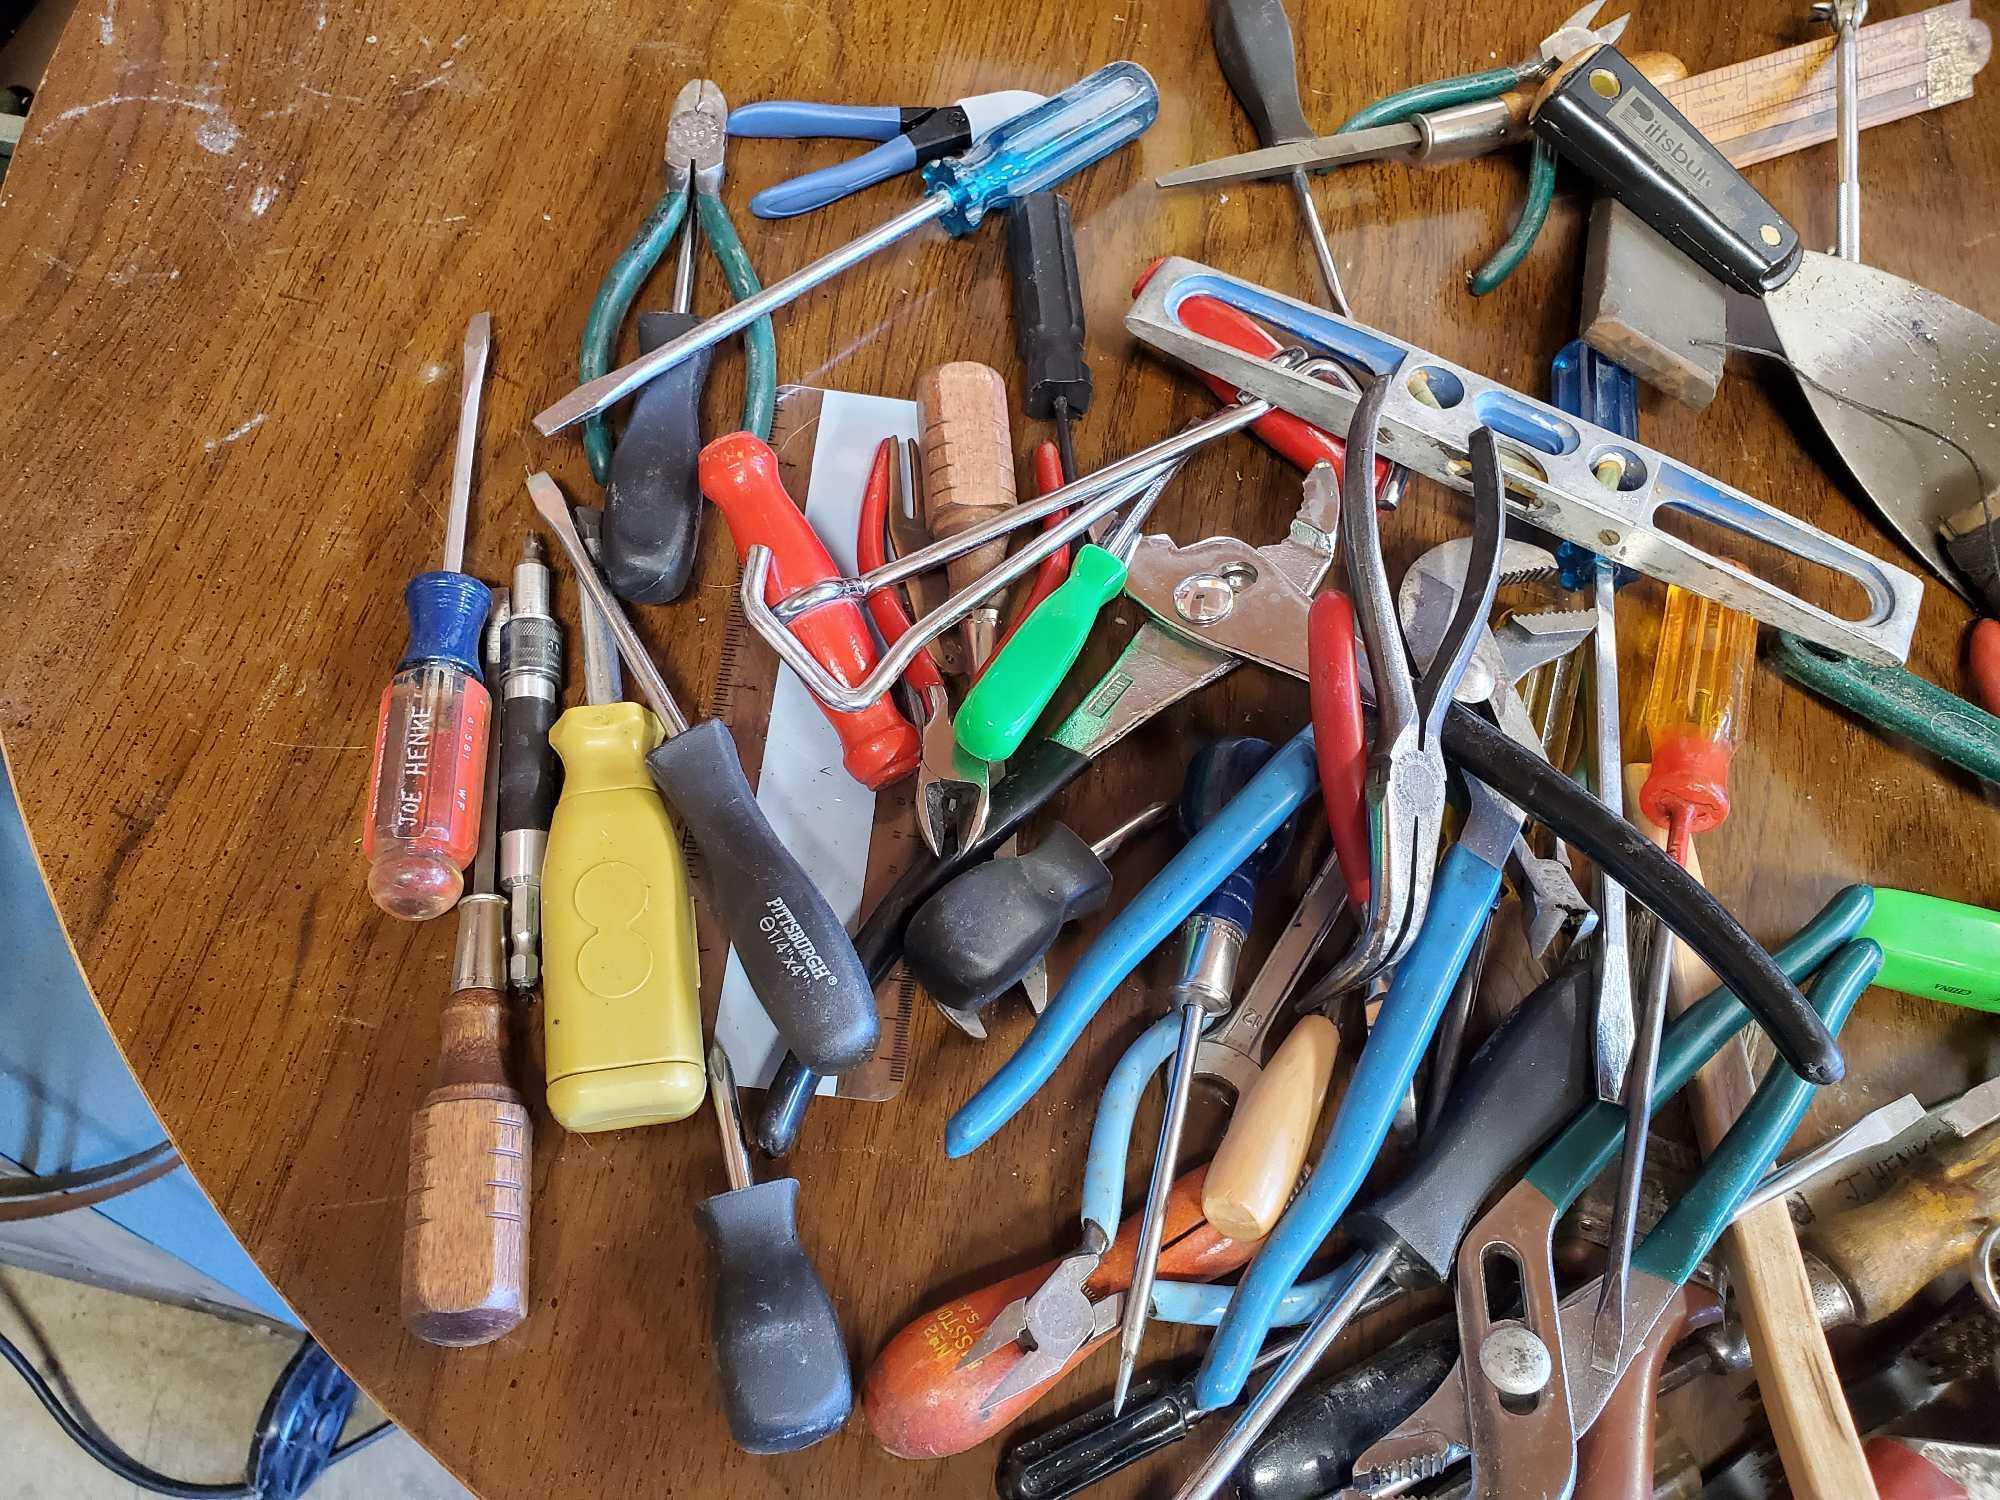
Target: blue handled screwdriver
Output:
[{"x": 1037, "y": 149}]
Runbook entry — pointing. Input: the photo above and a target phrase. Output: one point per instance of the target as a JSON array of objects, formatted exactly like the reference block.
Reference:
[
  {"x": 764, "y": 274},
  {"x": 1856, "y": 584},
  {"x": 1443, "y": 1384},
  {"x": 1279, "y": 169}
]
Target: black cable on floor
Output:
[{"x": 123, "y": 1464}]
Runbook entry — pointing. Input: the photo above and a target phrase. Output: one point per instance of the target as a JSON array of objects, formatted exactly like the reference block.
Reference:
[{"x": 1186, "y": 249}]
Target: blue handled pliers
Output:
[{"x": 909, "y": 138}]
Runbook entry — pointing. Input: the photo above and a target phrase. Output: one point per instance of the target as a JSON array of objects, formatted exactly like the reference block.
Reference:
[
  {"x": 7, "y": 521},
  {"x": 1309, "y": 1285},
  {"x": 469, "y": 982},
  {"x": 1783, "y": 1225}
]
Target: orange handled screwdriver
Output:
[
  {"x": 740, "y": 474},
  {"x": 429, "y": 771},
  {"x": 921, "y": 1404}
]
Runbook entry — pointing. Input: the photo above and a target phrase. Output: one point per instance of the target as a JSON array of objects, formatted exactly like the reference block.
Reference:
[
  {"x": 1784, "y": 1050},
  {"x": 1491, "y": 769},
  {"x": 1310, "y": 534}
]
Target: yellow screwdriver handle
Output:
[{"x": 621, "y": 1002}]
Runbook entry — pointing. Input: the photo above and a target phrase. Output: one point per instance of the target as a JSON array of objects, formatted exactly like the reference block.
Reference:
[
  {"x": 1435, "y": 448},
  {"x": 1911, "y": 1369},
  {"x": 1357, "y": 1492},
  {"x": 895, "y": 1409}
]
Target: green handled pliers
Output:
[
  {"x": 1573, "y": 36},
  {"x": 696, "y": 133}
]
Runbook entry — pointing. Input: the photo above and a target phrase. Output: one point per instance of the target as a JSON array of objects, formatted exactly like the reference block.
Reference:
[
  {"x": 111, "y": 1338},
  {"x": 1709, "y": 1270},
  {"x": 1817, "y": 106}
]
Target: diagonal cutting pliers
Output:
[
  {"x": 696, "y": 134},
  {"x": 909, "y": 139}
]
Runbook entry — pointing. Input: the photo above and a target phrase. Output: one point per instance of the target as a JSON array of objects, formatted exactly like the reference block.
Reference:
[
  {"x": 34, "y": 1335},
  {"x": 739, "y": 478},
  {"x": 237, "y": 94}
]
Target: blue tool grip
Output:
[
  {"x": 1111, "y": 1136},
  {"x": 447, "y": 613},
  {"x": 1691, "y": 1226},
  {"x": 1590, "y": 385},
  {"x": 794, "y": 119},
  {"x": 1261, "y": 809},
  {"x": 813, "y": 190},
  {"x": 1205, "y": 1304},
  {"x": 1460, "y": 899},
  {"x": 1045, "y": 145}
]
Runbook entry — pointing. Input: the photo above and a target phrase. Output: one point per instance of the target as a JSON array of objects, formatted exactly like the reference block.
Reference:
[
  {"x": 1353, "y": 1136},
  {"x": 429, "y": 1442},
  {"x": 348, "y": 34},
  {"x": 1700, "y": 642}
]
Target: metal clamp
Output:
[{"x": 1434, "y": 406}]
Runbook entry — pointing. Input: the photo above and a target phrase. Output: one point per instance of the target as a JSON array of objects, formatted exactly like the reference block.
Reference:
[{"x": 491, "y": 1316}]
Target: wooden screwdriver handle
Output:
[
  {"x": 1887, "y": 1251},
  {"x": 465, "y": 1225},
  {"x": 921, "y": 1405},
  {"x": 968, "y": 454},
  {"x": 1257, "y": 1165}
]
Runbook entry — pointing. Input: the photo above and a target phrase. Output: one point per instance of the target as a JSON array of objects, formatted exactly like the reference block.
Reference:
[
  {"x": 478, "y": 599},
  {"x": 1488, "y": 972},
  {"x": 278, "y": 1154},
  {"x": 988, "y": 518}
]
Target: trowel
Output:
[{"x": 1905, "y": 382}]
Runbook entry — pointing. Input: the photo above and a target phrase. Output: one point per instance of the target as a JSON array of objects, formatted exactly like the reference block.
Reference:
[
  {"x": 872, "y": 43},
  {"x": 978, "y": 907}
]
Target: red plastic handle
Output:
[
  {"x": 1339, "y": 736},
  {"x": 1291, "y": 438},
  {"x": 740, "y": 474},
  {"x": 871, "y": 551}
]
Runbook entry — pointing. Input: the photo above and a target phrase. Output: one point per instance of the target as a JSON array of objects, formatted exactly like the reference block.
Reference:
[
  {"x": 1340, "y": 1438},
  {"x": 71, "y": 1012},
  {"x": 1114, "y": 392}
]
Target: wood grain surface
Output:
[{"x": 242, "y": 243}]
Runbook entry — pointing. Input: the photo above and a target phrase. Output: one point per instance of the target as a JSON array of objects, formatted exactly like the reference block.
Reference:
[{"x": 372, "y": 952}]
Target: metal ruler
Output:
[
  {"x": 746, "y": 679},
  {"x": 1784, "y": 101}
]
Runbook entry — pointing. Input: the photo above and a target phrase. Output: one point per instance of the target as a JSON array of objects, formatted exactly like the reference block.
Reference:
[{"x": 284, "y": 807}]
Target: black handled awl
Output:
[
  {"x": 778, "y": 1351},
  {"x": 795, "y": 952}
]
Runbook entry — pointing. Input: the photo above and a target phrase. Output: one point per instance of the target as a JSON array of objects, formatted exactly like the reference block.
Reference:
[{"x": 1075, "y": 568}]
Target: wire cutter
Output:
[
  {"x": 695, "y": 140},
  {"x": 1518, "y": 1418},
  {"x": 909, "y": 138}
]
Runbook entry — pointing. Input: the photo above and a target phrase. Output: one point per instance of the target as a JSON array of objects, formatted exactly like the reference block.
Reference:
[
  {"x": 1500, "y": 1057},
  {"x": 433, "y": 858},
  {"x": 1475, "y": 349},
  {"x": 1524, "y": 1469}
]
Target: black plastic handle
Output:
[
  {"x": 1048, "y": 305},
  {"x": 1253, "y": 42},
  {"x": 981, "y": 933},
  {"x": 778, "y": 1350},
  {"x": 1033, "y": 778},
  {"x": 1609, "y": 119},
  {"x": 530, "y": 773},
  {"x": 1656, "y": 882},
  {"x": 1092, "y": 1446},
  {"x": 1309, "y": 1451},
  {"x": 797, "y": 956},
  {"x": 652, "y": 502},
  {"x": 1534, "y": 1073}
]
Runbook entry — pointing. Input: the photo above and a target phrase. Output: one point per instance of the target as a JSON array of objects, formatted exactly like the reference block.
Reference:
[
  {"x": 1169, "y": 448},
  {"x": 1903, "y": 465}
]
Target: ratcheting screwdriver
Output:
[
  {"x": 1048, "y": 316},
  {"x": 426, "y": 783},
  {"x": 739, "y": 473},
  {"x": 1034, "y": 150},
  {"x": 465, "y": 1219},
  {"x": 976, "y": 938},
  {"x": 531, "y": 645},
  {"x": 621, "y": 1001},
  {"x": 778, "y": 1350},
  {"x": 794, "y": 950}
]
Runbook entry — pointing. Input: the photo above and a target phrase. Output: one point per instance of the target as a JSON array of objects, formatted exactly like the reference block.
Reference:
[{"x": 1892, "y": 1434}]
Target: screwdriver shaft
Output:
[
  {"x": 1322, "y": 251},
  {"x": 728, "y": 1118},
  {"x": 478, "y": 341}
]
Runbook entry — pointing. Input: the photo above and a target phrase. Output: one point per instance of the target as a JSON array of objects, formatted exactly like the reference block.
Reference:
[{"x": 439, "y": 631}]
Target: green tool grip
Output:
[
  {"x": 1534, "y": 213},
  {"x": 760, "y": 349},
  {"x": 1941, "y": 950},
  {"x": 1898, "y": 702},
  {"x": 1689, "y": 1229},
  {"x": 1018, "y": 683},
  {"x": 1444, "y": 94},
  {"x": 615, "y": 294},
  {"x": 1590, "y": 1142}
]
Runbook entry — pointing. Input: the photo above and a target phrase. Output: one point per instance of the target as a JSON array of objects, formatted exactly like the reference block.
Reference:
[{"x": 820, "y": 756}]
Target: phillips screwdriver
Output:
[
  {"x": 1035, "y": 150},
  {"x": 739, "y": 473},
  {"x": 1693, "y": 718},
  {"x": 975, "y": 938},
  {"x": 778, "y": 1350},
  {"x": 530, "y": 694},
  {"x": 798, "y": 958},
  {"x": 1211, "y": 943},
  {"x": 1048, "y": 316},
  {"x": 425, "y": 786},
  {"x": 1253, "y": 43},
  {"x": 621, "y": 1003},
  {"x": 465, "y": 1219}
]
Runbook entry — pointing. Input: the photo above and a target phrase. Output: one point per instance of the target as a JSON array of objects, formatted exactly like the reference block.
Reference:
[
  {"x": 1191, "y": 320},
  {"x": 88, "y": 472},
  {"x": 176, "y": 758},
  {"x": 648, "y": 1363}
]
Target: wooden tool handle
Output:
[
  {"x": 1615, "y": 1458},
  {"x": 465, "y": 1226},
  {"x": 1887, "y": 1251},
  {"x": 1256, "y": 1168},
  {"x": 968, "y": 458},
  {"x": 1662, "y": 68},
  {"x": 921, "y": 1405},
  {"x": 1810, "y": 1422}
]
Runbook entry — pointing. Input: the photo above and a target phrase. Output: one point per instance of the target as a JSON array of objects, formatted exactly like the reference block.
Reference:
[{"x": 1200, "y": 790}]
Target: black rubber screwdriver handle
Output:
[
  {"x": 1532, "y": 1075},
  {"x": 797, "y": 956},
  {"x": 778, "y": 1350},
  {"x": 530, "y": 773},
  {"x": 1092, "y": 1446},
  {"x": 1608, "y": 118},
  {"x": 1253, "y": 42},
  {"x": 983, "y": 931},
  {"x": 1048, "y": 305},
  {"x": 652, "y": 502},
  {"x": 1033, "y": 778},
  {"x": 1656, "y": 882}
]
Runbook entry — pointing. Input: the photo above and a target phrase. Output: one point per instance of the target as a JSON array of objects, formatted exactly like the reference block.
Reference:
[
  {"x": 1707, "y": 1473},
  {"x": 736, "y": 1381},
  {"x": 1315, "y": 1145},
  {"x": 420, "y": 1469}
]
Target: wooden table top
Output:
[{"x": 243, "y": 243}]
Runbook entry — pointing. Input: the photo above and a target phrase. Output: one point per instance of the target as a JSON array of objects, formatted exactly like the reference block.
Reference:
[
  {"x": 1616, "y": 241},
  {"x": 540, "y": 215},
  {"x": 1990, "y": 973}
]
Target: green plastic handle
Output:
[
  {"x": 1586, "y": 1147},
  {"x": 1896, "y": 702},
  {"x": 1939, "y": 949},
  {"x": 1688, "y": 1230},
  {"x": 1018, "y": 683}
]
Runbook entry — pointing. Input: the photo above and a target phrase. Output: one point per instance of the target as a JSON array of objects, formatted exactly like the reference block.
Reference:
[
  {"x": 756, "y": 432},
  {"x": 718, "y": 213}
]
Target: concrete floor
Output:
[{"x": 179, "y": 1391}]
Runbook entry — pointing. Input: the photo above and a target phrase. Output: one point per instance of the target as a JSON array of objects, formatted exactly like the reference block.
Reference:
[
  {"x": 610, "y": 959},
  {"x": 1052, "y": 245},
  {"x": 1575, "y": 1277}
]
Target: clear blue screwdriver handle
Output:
[{"x": 1059, "y": 137}]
